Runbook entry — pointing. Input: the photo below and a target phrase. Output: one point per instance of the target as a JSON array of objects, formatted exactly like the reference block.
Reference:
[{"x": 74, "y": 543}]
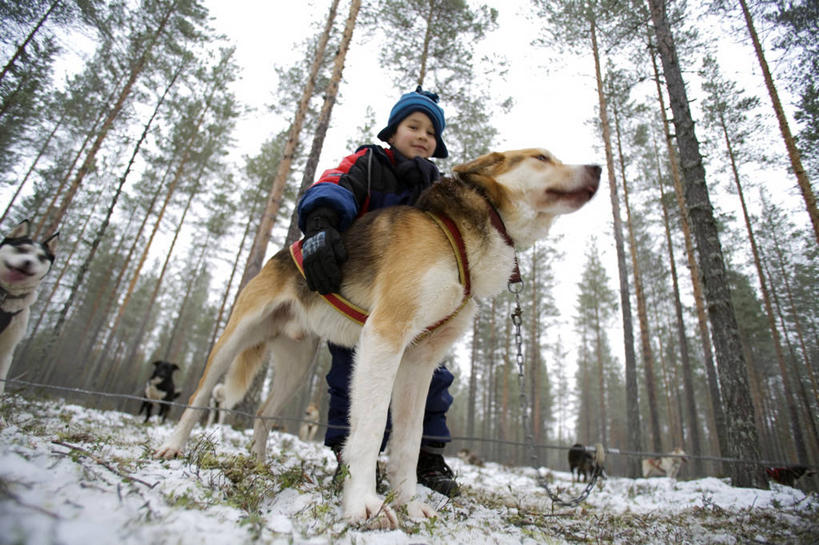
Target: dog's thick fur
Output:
[
  {"x": 23, "y": 264},
  {"x": 160, "y": 387},
  {"x": 581, "y": 461},
  {"x": 401, "y": 268},
  {"x": 585, "y": 462},
  {"x": 666, "y": 466},
  {"x": 309, "y": 428}
]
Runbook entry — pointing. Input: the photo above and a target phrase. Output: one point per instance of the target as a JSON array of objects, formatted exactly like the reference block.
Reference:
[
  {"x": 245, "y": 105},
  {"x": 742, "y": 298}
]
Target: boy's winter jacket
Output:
[{"x": 371, "y": 178}]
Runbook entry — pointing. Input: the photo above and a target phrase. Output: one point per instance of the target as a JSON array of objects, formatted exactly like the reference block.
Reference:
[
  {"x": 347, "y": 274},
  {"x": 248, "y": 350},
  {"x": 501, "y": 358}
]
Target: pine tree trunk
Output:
[
  {"x": 632, "y": 403},
  {"x": 101, "y": 231},
  {"x": 57, "y": 192},
  {"x": 136, "y": 341},
  {"x": 682, "y": 338},
  {"x": 22, "y": 47},
  {"x": 790, "y": 398},
  {"x": 743, "y": 441},
  {"x": 34, "y": 163},
  {"x": 715, "y": 397},
  {"x": 642, "y": 311},
  {"x": 797, "y": 321},
  {"x": 793, "y": 152},
  {"x": 422, "y": 71},
  {"x": 171, "y": 352},
  {"x": 323, "y": 123},
  {"x": 88, "y": 163},
  {"x": 262, "y": 237}
]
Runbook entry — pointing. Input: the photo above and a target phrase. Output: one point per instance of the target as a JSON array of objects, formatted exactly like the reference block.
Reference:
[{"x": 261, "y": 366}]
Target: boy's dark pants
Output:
[{"x": 338, "y": 380}]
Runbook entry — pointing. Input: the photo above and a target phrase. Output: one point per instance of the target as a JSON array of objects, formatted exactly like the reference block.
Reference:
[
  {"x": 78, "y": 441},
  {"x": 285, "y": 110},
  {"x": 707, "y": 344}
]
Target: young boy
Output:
[{"x": 375, "y": 177}]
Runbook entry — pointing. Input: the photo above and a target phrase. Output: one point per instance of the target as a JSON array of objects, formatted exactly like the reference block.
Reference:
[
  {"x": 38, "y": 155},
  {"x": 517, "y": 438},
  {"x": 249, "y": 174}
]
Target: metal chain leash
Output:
[{"x": 515, "y": 288}]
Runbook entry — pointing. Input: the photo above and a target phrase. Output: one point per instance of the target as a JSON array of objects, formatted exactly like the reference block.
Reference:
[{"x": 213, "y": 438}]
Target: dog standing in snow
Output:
[
  {"x": 418, "y": 270},
  {"x": 23, "y": 264},
  {"x": 160, "y": 387},
  {"x": 308, "y": 428},
  {"x": 667, "y": 466}
]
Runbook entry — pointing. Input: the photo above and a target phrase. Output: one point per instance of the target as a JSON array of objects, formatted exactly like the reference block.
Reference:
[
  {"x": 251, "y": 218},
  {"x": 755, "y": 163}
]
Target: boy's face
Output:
[{"x": 415, "y": 136}]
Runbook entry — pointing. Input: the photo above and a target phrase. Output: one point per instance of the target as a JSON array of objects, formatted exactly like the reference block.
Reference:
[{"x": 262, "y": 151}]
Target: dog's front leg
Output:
[
  {"x": 376, "y": 363},
  {"x": 409, "y": 398}
]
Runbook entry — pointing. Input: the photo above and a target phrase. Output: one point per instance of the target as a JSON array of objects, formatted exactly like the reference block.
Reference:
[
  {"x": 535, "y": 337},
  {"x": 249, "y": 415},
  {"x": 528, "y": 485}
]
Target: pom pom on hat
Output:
[{"x": 418, "y": 101}]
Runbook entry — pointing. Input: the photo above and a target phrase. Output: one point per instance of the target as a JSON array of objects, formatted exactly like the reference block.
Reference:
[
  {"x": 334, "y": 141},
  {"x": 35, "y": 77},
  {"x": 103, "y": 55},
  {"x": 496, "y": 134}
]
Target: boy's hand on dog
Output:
[{"x": 323, "y": 252}]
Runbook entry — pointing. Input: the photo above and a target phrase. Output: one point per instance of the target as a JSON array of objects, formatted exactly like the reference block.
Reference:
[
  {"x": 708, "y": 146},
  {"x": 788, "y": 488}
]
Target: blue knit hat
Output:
[{"x": 418, "y": 101}]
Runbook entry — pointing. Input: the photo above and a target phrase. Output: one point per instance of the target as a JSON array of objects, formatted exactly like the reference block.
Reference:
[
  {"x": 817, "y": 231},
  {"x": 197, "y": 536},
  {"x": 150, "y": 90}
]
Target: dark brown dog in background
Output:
[{"x": 584, "y": 462}]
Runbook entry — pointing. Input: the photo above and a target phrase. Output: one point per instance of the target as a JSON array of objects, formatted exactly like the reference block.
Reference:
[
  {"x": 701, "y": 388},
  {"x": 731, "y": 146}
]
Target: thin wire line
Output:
[{"x": 613, "y": 451}]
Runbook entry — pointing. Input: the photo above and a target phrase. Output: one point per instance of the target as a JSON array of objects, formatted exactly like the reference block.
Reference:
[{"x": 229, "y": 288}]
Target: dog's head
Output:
[
  {"x": 164, "y": 369},
  {"x": 530, "y": 187},
  {"x": 24, "y": 262}
]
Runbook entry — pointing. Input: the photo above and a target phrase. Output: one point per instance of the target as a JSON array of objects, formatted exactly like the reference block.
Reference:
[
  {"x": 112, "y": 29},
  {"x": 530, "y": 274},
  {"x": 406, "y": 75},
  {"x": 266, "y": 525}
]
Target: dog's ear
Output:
[
  {"x": 157, "y": 362},
  {"x": 481, "y": 172},
  {"x": 484, "y": 164},
  {"x": 23, "y": 229},
  {"x": 51, "y": 242}
]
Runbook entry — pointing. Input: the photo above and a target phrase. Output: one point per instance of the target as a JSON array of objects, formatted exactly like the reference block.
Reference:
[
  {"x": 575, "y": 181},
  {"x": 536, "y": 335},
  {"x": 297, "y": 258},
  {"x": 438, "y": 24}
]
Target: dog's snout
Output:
[{"x": 594, "y": 170}]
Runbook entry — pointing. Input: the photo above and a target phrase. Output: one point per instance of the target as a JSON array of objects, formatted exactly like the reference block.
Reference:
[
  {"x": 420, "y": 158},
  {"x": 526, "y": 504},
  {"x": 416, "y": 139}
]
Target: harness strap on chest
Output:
[{"x": 360, "y": 315}]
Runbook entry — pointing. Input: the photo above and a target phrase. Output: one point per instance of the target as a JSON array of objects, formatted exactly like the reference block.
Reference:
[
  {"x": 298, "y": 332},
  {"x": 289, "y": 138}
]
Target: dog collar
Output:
[
  {"x": 497, "y": 223},
  {"x": 360, "y": 315},
  {"x": 5, "y": 296}
]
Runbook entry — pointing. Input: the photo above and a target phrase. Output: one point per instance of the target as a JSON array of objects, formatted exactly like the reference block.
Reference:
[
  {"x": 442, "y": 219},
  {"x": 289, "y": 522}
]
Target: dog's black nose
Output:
[{"x": 595, "y": 170}]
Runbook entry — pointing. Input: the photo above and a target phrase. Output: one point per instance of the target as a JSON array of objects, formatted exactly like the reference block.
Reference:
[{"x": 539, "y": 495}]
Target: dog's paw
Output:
[
  {"x": 167, "y": 452},
  {"x": 373, "y": 511},
  {"x": 420, "y": 510}
]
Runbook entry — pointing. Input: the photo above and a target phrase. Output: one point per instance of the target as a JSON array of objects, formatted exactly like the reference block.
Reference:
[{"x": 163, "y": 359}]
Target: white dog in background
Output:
[
  {"x": 308, "y": 429},
  {"x": 23, "y": 264},
  {"x": 667, "y": 466},
  {"x": 217, "y": 405}
]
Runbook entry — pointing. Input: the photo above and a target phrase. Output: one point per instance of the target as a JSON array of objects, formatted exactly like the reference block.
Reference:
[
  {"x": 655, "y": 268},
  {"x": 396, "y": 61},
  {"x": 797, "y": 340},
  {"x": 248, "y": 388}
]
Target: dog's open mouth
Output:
[
  {"x": 15, "y": 274},
  {"x": 584, "y": 193}
]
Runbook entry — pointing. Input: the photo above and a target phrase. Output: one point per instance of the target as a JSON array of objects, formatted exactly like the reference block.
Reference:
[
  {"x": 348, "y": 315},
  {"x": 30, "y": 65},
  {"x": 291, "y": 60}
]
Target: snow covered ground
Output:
[{"x": 73, "y": 475}]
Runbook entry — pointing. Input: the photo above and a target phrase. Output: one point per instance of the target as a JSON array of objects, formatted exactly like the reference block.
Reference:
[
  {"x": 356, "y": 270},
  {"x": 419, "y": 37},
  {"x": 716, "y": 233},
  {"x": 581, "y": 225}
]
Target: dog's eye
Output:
[{"x": 544, "y": 158}]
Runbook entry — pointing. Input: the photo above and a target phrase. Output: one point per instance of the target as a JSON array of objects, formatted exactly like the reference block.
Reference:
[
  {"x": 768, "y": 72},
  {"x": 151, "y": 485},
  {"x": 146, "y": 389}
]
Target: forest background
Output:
[{"x": 168, "y": 140}]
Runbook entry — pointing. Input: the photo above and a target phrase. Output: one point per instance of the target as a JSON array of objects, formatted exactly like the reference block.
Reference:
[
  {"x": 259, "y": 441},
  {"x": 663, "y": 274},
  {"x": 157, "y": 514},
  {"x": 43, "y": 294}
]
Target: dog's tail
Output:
[{"x": 242, "y": 372}]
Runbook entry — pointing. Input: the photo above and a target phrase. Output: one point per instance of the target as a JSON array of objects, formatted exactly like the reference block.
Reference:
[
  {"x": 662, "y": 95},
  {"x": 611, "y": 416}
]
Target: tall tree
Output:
[
  {"x": 794, "y": 155},
  {"x": 726, "y": 111},
  {"x": 743, "y": 441},
  {"x": 617, "y": 97},
  {"x": 565, "y": 19},
  {"x": 259, "y": 246}
]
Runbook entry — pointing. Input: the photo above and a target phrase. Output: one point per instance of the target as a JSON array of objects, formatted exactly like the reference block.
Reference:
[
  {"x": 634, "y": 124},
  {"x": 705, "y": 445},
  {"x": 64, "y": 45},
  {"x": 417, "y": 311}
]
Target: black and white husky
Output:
[{"x": 23, "y": 264}]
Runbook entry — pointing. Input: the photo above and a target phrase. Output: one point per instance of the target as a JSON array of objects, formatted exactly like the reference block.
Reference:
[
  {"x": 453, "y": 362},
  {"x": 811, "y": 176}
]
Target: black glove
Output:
[{"x": 323, "y": 252}]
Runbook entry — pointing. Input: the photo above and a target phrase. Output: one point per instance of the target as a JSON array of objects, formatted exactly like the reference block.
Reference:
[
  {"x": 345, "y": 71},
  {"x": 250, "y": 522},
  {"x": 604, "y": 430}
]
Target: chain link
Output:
[{"x": 515, "y": 288}]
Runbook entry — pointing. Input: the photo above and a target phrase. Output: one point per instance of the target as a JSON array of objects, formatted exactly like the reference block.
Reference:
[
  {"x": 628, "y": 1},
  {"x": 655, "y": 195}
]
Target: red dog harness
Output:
[{"x": 360, "y": 315}]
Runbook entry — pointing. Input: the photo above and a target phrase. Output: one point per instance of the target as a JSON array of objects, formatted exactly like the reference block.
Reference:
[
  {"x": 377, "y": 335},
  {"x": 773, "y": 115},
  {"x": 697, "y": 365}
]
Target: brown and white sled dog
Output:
[
  {"x": 23, "y": 264},
  {"x": 403, "y": 268}
]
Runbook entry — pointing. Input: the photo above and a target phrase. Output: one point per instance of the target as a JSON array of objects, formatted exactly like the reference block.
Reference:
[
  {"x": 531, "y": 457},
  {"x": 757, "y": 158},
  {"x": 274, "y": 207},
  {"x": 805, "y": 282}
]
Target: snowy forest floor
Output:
[{"x": 74, "y": 475}]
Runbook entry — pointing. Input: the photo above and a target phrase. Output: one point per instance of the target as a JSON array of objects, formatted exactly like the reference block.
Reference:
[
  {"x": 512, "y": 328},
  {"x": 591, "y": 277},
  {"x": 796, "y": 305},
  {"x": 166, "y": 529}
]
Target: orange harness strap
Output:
[{"x": 360, "y": 315}]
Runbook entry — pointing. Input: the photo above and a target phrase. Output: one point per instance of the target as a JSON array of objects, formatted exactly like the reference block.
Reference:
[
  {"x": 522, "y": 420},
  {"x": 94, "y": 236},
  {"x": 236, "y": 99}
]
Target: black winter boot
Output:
[{"x": 434, "y": 473}]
